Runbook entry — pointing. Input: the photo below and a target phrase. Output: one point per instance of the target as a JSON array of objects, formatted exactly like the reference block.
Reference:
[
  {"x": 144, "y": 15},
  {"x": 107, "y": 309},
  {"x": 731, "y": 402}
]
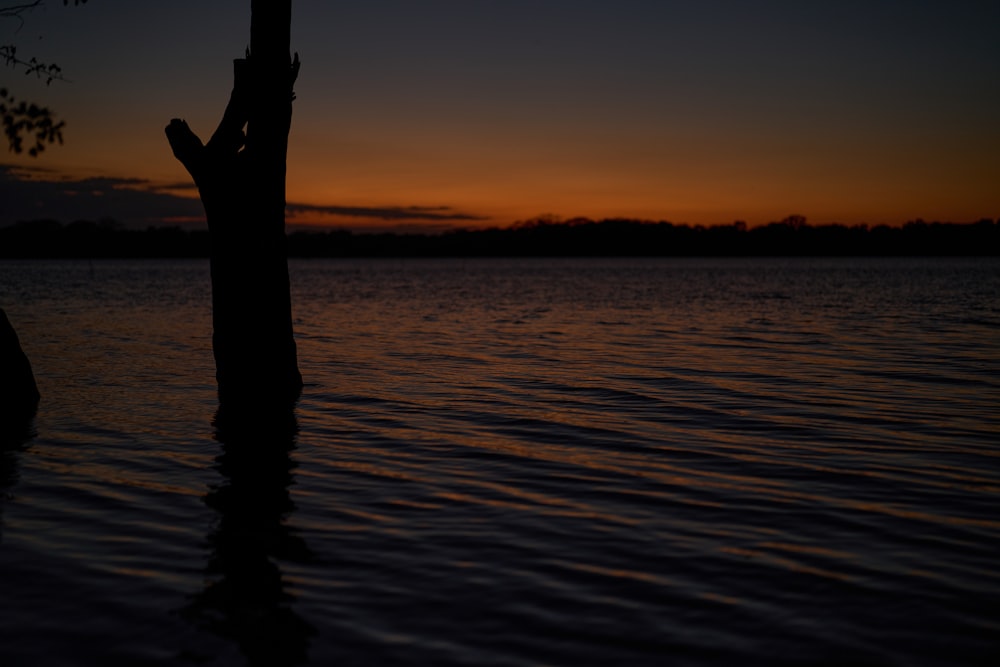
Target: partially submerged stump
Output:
[
  {"x": 18, "y": 391},
  {"x": 241, "y": 180}
]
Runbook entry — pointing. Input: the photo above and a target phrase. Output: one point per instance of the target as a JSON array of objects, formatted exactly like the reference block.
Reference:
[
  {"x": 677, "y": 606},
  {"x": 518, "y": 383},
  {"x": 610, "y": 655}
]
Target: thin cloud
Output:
[
  {"x": 171, "y": 187},
  {"x": 395, "y": 213},
  {"x": 32, "y": 193}
]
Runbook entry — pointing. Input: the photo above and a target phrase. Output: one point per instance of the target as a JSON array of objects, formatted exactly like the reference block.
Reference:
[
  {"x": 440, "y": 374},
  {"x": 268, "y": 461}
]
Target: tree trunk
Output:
[{"x": 241, "y": 180}]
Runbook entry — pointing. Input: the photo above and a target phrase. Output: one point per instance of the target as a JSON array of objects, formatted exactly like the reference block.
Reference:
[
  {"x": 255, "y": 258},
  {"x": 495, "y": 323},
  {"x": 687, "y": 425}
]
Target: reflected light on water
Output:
[{"x": 510, "y": 462}]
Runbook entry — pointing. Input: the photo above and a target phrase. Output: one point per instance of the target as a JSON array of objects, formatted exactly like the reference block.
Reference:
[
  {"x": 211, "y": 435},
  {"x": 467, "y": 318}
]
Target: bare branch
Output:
[
  {"x": 50, "y": 72},
  {"x": 16, "y": 10}
]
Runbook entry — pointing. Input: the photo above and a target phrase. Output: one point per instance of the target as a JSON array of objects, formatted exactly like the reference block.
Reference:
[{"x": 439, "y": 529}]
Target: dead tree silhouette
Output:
[{"x": 241, "y": 180}]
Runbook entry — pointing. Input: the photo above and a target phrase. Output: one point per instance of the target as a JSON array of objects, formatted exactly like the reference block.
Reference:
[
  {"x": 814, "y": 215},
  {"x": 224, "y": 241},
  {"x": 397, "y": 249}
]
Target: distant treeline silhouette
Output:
[{"x": 541, "y": 237}]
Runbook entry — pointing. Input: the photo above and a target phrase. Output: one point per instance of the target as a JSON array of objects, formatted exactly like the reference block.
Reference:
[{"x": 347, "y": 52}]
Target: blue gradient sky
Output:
[{"x": 494, "y": 111}]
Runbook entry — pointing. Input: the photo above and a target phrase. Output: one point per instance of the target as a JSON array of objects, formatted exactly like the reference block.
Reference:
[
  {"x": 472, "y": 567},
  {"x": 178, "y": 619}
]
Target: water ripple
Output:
[{"x": 698, "y": 462}]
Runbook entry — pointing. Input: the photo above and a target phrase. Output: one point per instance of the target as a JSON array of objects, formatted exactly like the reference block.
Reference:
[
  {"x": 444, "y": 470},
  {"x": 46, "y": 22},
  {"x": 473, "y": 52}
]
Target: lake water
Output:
[{"x": 515, "y": 462}]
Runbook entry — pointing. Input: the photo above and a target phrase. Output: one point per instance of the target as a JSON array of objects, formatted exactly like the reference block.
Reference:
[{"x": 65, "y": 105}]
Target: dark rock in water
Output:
[{"x": 18, "y": 391}]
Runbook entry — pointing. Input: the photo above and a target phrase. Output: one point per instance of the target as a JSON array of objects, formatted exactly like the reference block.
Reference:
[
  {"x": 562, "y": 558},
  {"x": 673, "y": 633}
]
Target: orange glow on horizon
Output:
[
  {"x": 702, "y": 193},
  {"x": 647, "y": 114},
  {"x": 497, "y": 182}
]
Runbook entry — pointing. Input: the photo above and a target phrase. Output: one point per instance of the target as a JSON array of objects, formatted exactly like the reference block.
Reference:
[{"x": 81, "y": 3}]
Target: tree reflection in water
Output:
[{"x": 245, "y": 598}]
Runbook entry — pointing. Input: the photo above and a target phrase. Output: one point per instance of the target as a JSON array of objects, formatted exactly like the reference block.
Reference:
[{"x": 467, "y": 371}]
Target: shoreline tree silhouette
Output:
[{"x": 241, "y": 180}]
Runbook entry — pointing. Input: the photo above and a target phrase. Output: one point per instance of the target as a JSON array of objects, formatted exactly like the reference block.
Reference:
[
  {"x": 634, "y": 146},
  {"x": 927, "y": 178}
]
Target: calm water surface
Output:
[{"x": 515, "y": 462}]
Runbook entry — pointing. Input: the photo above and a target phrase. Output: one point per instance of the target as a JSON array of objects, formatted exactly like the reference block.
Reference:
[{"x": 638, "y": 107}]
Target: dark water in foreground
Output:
[{"x": 516, "y": 462}]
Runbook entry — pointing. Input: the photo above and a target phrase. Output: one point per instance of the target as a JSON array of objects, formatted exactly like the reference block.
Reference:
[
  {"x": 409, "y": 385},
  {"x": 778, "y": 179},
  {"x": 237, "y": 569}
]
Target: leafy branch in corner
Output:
[{"x": 23, "y": 119}]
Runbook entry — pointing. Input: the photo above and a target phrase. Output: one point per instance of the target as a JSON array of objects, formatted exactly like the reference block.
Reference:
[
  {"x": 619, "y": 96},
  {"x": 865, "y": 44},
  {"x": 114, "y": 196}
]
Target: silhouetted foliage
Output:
[
  {"x": 23, "y": 119},
  {"x": 536, "y": 238}
]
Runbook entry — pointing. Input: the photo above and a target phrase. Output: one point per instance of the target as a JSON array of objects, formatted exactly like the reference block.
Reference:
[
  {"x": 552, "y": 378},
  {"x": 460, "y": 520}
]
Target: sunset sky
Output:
[{"x": 416, "y": 113}]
